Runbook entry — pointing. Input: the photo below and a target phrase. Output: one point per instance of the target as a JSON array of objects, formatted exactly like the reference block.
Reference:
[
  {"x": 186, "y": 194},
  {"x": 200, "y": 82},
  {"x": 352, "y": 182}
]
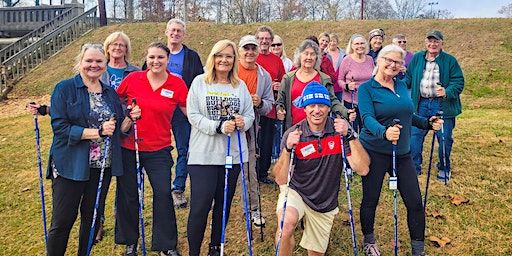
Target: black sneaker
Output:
[
  {"x": 214, "y": 250},
  {"x": 268, "y": 181},
  {"x": 170, "y": 253},
  {"x": 131, "y": 250}
]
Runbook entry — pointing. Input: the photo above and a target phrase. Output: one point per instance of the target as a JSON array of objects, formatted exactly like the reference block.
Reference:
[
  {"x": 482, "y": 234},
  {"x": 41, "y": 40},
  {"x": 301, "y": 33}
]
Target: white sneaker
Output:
[{"x": 257, "y": 218}]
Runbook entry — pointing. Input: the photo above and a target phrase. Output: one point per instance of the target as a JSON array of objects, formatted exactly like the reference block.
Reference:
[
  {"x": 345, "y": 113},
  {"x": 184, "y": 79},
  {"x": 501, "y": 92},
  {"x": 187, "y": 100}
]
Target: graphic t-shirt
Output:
[
  {"x": 175, "y": 64},
  {"x": 115, "y": 76}
]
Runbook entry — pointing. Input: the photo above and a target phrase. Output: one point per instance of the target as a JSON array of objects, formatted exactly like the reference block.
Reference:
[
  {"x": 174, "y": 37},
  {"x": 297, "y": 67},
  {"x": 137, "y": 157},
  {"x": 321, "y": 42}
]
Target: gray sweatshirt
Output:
[{"x": 206, "y": 104}]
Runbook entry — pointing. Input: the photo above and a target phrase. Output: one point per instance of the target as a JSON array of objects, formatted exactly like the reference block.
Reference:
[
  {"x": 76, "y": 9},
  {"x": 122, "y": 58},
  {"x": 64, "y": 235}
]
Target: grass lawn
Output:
[{"x": 481, "y": 157}]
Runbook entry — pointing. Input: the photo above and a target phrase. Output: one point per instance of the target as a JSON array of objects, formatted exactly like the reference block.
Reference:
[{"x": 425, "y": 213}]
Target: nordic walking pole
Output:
[
  {"x": 41, "y": 185},
  {"x": 244, "y": 190},
  {"x": 346, "y": 171},
  {"x": 228, "y": 166},
  {"x": 140, "y": 185},
  {"x": 443, "y": 141},
  {"x": 98, "y": 192},
  {"x": 289, "y": 178},
  {"x": 258, "y": 188},
  {"x": 393, "y": 185},
  {"x": 443, "y": 146},
  {"x": 429, "y": 170}
]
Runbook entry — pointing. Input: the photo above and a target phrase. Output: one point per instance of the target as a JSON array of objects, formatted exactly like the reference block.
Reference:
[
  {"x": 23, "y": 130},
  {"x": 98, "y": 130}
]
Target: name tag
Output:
[
  {"x": 393, "y": 183},
  {"x": 229, "y": 162},
  {"x": 308, "y": 150},
  {"x": 167, "y": 93}
]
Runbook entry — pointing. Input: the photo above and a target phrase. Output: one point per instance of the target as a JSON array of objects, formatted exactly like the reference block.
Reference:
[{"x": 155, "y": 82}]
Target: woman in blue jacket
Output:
[
  {"x": 81, "y": 119},
  {"x": 382, "y": 99}
]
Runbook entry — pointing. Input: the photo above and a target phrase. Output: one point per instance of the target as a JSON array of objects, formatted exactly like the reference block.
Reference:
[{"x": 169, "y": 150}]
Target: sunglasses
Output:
[
  {"x": 402, "y": 42},
  {"x": 274, "y": 45}
]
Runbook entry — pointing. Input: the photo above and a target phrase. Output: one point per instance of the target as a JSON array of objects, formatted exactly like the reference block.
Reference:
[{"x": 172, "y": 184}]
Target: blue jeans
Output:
[
  {"x": 181, "y": 131},
  {"x": 429, "y": 107}
]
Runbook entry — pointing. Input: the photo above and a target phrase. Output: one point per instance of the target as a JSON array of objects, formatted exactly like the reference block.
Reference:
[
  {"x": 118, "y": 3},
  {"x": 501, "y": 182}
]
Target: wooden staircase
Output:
[{"x": 20, "y": 57}]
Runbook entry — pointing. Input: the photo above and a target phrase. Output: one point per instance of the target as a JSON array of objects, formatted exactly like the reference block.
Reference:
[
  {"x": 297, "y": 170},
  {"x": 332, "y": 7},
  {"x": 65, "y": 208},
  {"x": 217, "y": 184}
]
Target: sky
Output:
[{"x": 471, "y": 8}]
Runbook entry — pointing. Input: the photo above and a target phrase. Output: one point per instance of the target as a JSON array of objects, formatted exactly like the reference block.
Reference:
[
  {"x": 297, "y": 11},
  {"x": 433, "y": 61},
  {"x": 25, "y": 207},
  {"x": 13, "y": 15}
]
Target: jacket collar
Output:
[{"x": 79, "y": 83}]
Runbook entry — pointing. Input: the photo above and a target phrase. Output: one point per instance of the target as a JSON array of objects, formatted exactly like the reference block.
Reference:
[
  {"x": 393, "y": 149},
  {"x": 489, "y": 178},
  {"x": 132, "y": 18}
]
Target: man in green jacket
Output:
[{"x": 436, "y": 82}]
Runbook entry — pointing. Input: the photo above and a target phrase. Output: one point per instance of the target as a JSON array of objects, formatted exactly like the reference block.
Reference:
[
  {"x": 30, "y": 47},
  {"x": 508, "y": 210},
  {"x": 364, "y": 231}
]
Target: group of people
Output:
[{"x": 114, "y": 119}]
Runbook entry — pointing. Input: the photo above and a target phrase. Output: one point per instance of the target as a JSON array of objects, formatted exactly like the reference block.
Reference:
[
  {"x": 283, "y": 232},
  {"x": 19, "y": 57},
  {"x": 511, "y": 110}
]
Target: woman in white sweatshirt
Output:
[{"x": 218, "y": 103}]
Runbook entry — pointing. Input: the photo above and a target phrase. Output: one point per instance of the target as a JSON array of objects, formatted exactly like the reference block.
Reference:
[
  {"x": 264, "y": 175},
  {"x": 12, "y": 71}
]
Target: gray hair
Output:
[
  {"x": 177, "y": 21},
  {"x": 385, "y": 51},
  {"x": 302, "y": 47},
  {"x": 349, "y": 49}
]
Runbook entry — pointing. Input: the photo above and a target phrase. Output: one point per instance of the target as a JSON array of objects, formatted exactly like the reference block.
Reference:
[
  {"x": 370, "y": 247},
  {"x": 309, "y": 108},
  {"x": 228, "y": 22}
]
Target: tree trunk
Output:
[{"x": 103, "y": 12}]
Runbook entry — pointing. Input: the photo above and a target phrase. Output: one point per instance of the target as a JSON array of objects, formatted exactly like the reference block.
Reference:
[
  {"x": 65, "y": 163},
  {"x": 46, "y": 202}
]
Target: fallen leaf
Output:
[
  {"x": 435, "y": 214},
  {"x": 345, "y": 222},
  {"x": 4, "y": 139},
  {"x": 440, "y": 242},
  {"x": 25, "y": 189},
  {"x": 458, "y": 200}
]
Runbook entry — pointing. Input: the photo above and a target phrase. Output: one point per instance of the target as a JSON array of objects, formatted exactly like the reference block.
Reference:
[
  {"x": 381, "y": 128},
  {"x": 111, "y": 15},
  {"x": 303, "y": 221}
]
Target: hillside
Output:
[
  {"x": 482, "y": 46},
  {"x": 482, "y": 169}
]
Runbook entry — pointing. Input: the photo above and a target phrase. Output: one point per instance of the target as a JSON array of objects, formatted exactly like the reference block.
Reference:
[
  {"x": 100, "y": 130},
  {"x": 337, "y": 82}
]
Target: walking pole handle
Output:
[{"x": 396, "y": 121}]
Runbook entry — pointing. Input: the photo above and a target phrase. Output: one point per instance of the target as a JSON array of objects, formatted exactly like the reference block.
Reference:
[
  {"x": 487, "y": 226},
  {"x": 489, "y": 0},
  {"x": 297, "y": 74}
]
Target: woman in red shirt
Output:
[{"x": 158, "y": 93}]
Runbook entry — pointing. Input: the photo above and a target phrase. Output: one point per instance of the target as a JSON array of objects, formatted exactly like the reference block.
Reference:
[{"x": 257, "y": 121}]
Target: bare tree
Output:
[
  {"x": 291, "y": 9},
  {"x": 506, "y": 10},
  {"x": 332, "y": 9},
  {"x": 376, "y": 9},
  {"x": 409, "y": 9}
]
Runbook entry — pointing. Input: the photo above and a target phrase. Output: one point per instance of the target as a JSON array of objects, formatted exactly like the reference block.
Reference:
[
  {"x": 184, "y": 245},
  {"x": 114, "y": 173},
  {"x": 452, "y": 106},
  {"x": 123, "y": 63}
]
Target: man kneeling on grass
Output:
[{"x": 312, "y": 193}]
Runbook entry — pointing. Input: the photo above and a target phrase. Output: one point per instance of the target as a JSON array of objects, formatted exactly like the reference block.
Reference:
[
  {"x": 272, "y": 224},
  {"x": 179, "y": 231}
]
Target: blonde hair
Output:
[
  {"x": 80, "y": 55},
  {"x": 283, "y": 52},
  {"x": 350, "y": 50},
  {"x": 210, "y": 75},
  {"x": 114, "y": 36}
]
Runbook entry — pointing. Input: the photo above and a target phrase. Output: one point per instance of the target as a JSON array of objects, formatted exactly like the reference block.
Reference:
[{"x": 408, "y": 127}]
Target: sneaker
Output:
[
  {"x": 214, "y": 250},
  {"x": 419, "y": 254},
  {"x": 169, "y": 253},
  {"x": 131, "y": 250},
  {"x": 268, "y": 181},
  {"x": 441, "y": 176},
  {"x": 180, "y": 201},
  {"x": 371, "y": 249},
  {"x": 257, "y": 218}
]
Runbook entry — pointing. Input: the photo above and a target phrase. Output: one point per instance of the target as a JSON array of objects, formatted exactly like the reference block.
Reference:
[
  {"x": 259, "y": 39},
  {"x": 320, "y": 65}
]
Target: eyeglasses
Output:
[
  {"x": 390, "y": 61},
  {"x": 250, "y": 47},
  {"x": 433, "y": 41},
  {"x": 402, "y": 41},
  {"x": 278, "y": 44},
  {"x": 118, "y": 45},
  {"x": 224, "y": 56},
  {"x": 264, "y": 38}
]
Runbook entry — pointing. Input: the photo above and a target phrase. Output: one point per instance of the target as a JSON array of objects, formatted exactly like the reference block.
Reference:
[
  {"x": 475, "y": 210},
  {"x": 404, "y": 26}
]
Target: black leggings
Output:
[
  {"x": 207, "y": 185},
  {"x": 407, "y": 185},
  {"x": 69, "y": 197}
]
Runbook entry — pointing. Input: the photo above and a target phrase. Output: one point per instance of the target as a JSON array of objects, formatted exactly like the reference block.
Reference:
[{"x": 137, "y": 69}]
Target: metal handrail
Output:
[
  {"x": 12, "y": 48},
  {"x": 16, "y": 66}
]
